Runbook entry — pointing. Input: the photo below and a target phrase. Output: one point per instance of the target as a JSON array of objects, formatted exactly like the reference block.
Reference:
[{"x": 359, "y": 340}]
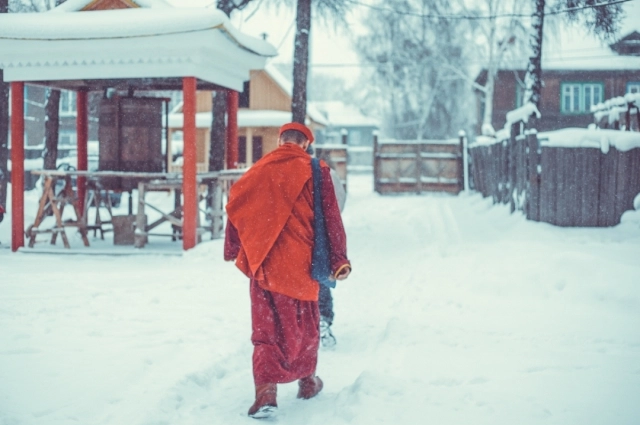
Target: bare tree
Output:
[
  {"x": 217, "y": 134},
  {"x": 51, "y": 128},
  {"x": 301, "y": 61},
  {"x": 499, "y": 38},
  {"x": 408, "y": 44},
  {"x": 334, "y": 9},
  {"x": 52, "y": 96},
  {"x": 4, "y": 126}
]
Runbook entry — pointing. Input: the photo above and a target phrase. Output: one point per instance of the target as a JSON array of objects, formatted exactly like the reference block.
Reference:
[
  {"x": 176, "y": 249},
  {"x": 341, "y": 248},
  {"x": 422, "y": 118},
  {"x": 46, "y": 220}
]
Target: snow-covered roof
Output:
[
  {"x": 286, "y": 85},
  {"x": 246, "y": 118},
  {"x": 575, "y": 49},
  {"x": 341, "y": 115},
  {"x": 149, "y": 42}
]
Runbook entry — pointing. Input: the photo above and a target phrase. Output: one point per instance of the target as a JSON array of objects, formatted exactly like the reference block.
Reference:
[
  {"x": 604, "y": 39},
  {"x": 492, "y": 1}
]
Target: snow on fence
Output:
[
  {"x": 417, "y": 166},
  {"x": 619, "y": 113},
  {"x": 570, "y": 177}
]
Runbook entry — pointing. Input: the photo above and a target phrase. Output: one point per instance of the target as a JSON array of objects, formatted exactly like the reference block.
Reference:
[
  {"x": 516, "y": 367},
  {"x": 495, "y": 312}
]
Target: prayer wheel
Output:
[{"x": 130, "y": 138}]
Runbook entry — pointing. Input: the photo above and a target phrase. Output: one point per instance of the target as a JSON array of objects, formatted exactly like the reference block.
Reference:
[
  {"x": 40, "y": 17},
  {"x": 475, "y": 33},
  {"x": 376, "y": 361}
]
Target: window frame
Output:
[
  {"x": 582, "y": 97},
  {"x": 630, "y": 84},
  {"x": 73, "y": 137},
  {"x": 65, "y": 110}
]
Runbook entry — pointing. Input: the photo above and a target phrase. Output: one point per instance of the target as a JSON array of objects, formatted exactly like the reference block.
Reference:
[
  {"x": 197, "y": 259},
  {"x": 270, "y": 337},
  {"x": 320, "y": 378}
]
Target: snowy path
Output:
[{"x": 456, "y": 313}]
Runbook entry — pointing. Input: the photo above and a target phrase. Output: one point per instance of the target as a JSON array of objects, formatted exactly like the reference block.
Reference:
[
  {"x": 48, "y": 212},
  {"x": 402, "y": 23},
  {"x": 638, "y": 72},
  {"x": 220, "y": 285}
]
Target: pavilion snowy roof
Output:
[
  {"x": 146, "y": 42},
  {"x": 246, "y": 118}
]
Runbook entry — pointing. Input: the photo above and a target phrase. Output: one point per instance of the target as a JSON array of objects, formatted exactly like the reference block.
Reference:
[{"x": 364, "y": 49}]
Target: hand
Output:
[{"x": 344, "y": 273}]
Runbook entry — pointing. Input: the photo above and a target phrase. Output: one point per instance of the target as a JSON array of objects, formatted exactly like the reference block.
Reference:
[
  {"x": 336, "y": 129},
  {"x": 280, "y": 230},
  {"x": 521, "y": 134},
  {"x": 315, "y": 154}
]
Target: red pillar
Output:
[
  {"x": 17, "y": 165},
  {"x": 232, "y": 129},
  {"x": 189, "y": 182},
  {"x": 82, "y": 130}
]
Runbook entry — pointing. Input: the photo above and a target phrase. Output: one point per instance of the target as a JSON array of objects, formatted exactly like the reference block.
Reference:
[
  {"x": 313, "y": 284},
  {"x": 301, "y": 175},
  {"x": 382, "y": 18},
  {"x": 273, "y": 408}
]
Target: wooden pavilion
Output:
[{"x": 125, "y": 45}]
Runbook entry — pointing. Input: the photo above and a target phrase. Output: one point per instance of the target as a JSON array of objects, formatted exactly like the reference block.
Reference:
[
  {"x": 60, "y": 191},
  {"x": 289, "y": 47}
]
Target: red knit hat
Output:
[{"x": 298, "y": 127}]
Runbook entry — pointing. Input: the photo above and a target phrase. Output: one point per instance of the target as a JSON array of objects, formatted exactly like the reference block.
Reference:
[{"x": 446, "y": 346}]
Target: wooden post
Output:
[
  {"x": 232, "y": 129},
  {"x": 375, "y": 162},
  {"x": 465, "y": 161},
  {"x": 140, "y": 236},
  {"x": 189, "y": 181},
  {"x": 82, "y": 131},
  {"x": 249, "y": 147},
  {"x": 17, "y": 165}
]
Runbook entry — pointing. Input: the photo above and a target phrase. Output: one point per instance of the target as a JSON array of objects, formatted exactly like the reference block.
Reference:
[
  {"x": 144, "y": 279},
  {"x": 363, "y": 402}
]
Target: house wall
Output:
[
  {"x": 265, "y": 93},
  {"x": 505, "y": 97}
]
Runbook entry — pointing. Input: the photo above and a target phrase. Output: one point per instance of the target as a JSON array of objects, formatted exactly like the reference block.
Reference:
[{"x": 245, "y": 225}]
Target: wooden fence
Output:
[
  {"x": 402, "y": 166},
  {"x": 564, "y": 186}
]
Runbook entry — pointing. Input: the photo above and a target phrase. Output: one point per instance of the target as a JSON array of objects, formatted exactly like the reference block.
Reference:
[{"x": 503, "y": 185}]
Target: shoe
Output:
[
  {"x": 265, "y": 405},
  {"x": 309, "y": 387},
  {"x": 326, "y": 337}
]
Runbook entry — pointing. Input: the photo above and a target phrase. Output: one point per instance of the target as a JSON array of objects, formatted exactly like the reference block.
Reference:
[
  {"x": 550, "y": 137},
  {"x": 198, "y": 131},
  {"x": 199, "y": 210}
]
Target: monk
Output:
[{"x": 270, "y": 235}]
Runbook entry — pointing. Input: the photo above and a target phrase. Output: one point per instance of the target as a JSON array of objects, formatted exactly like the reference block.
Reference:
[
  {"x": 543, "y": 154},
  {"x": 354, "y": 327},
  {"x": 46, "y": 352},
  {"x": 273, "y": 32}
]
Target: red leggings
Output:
[{"x": 285, "y": 336}]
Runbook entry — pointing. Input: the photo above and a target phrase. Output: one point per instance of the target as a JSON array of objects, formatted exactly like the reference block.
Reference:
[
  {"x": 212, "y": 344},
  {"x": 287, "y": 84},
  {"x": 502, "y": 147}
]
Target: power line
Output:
[{"x": 482, "y": 17}]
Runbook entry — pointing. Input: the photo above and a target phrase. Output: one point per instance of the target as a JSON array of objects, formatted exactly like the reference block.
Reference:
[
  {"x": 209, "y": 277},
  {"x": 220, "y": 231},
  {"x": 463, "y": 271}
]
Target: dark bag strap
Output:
[{"x": 320, "y": 262}]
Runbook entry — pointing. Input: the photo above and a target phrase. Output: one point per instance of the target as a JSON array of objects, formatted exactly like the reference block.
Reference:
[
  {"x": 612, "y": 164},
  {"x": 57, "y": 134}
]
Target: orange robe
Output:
[{"x": 271, "y": 206}]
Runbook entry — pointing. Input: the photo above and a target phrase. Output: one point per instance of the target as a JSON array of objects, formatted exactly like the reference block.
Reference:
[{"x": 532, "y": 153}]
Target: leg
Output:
[
  {"x": 285, "y": 337},
  {"x": 325, "y": 302}
]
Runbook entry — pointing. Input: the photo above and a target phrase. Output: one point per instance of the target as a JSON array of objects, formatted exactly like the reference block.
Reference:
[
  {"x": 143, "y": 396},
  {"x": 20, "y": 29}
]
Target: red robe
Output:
[{"x": 270, "y": 234}]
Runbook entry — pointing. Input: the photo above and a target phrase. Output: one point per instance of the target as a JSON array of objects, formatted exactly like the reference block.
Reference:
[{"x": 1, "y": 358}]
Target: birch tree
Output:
[{"x": 601, "y": 17}]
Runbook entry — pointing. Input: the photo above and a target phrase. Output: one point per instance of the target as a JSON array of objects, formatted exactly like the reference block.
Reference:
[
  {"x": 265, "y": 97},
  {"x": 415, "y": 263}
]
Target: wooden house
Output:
[
  {"x": 264, "y": 106},
  {"x": 570, "y": 86}
]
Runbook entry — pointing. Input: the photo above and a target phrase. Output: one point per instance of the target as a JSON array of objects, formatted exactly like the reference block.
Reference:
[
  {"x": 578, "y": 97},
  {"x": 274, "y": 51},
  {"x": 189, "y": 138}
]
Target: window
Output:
[
  {"x": 633, "y": 87},
  {"x": 592, "y": 95},
  {"x": 67, "y": 103},
  {"x": 578, "y": 98},
  {"x": 67, "y": 138},
  {"x": 355, "y": 138},
  {"x": 243, "y": 99}
]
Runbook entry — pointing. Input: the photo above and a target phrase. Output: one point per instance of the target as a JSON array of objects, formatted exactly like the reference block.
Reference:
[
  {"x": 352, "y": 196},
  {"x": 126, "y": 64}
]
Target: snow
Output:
[
  {"x": 131, "y": 43},
  {"x": 341, "y": 115},
  {"x": 522, "y": 113},
  {"x": 456, "y": 313},
  {"x": 142, "y": 22},
  {"x": 246, "y": 118},
  {"x": 591, "y": 138},
  {"x": 574, "y": 48}
]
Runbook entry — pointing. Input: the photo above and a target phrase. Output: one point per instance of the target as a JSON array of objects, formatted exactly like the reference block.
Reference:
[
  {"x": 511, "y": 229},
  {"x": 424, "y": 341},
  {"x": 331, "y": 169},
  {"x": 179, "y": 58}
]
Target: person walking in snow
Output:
[{"x": 270, "y": 235}]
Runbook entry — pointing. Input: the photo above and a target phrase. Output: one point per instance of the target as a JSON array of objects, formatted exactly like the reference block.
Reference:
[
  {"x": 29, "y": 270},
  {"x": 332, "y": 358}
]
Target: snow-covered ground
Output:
[{"x": 456, "y": 313}]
